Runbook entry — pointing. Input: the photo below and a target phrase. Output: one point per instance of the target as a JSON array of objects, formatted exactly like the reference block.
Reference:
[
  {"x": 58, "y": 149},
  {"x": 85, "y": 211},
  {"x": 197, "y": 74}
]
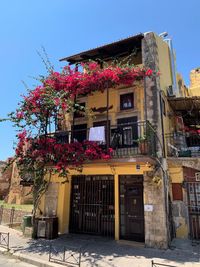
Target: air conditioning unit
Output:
[
  {"x": 197, "y": 176},
  {"x": 170, "y": 91}
]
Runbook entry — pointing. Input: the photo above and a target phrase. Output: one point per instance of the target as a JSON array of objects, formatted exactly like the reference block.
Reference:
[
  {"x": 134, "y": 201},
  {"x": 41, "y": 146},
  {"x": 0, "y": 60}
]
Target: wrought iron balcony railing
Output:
[
  {"x": 180, "y": 144},
  {"x": 126, "y": 140}
]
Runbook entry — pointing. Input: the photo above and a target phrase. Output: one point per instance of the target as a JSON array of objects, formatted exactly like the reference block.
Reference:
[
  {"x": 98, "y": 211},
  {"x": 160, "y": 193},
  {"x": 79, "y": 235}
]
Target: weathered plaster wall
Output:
[{"x": 178, "y": 174}]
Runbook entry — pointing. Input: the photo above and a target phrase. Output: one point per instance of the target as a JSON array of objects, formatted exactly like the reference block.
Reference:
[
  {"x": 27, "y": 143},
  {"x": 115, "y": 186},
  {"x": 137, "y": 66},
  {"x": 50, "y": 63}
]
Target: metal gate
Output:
[
  {"x": 92, "y": 205},
  {"x": 193, "y": 192}
]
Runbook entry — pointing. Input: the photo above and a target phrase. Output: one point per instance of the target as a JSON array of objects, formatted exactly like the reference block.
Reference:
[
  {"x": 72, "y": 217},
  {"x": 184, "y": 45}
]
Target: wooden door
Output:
[{"x": 131, "y": 208}]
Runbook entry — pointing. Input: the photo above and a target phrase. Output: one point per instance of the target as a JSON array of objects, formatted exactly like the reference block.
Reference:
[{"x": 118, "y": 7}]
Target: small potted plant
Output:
[{"x": 143, "y": 145}]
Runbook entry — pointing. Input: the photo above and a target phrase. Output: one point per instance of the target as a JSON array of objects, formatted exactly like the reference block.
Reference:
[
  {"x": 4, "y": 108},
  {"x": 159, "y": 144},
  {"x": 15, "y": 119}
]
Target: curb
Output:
[
  {"x": 29, "y": 259},
  {"x": 34, "y": 261}
]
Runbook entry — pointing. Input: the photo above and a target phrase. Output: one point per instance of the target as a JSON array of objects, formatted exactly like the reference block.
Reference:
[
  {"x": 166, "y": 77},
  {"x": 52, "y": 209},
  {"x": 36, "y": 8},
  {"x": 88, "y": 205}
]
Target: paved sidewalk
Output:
[
  {"x": 8, "y": 261},
  {"x": 101, "y": 252}
]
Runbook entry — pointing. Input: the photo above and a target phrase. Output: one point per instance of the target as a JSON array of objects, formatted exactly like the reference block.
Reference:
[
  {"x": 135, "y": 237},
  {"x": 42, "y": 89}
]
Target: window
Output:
[
  {"x": 177, "y": 191},
  {"x": 126, "y": 101},
  {"x": 128, "y": 128}
]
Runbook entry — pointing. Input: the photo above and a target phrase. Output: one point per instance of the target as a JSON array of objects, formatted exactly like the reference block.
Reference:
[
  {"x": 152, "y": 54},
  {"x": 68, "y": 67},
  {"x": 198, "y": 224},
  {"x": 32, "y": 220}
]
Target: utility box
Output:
[{"x": 46, "y": 227}]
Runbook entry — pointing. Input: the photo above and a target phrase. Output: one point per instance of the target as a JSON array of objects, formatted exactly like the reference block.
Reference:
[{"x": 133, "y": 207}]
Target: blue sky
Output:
[{"x": 66, "y": 27}]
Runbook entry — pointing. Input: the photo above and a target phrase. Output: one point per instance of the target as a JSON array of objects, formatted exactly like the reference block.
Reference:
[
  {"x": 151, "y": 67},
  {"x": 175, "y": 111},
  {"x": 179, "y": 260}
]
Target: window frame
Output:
[{"x": 122, "y": 98}]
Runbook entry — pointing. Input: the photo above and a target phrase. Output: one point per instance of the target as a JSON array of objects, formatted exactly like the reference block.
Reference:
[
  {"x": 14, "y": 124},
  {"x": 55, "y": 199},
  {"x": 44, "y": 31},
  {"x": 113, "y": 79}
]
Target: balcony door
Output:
[
  {"x": 128, "y": 129},
  {"x": 104, "y": 123},
  {"x": 80, "y": 132}
]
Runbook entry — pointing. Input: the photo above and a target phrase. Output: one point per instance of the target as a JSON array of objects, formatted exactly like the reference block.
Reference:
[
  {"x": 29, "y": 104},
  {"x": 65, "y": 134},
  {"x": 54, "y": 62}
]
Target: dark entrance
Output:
[
  {"x": 79, "y": 132},
  {"x": 92, "y": 205},
  {"x": 129, "y": 129},
  {"x": 131, "y": 208}
]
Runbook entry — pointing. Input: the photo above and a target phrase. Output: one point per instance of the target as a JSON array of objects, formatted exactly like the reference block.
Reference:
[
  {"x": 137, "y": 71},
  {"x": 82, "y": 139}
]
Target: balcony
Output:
[
  {"x": 127, "y": 140},
  {"x": 183, "y": 144}
]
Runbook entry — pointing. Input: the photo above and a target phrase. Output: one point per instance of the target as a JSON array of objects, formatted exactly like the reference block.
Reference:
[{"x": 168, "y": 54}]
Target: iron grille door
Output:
[
  {"x": 193, "y": 191},
  {"x": 92, "y": 205}
]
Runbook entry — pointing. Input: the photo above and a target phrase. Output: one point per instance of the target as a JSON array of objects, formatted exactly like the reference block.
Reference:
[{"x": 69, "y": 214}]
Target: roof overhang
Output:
[
  {"x": 187, "y": 107},
  {"x": 120, "y": 48}
]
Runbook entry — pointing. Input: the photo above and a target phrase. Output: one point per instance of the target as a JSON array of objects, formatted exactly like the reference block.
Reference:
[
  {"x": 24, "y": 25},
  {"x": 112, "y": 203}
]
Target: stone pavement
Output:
[
  {"x": 102, "y": 252},
  {"x": 8, "y": 261}
]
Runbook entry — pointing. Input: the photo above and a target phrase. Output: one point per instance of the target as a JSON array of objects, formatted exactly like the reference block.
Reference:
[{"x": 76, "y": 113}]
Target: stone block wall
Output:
[
  {"x": 17, "y": 218},
  {"x": 18, "y": 194},
  {"x": 156, "y": 221},
  {"x": 195, "y": 78},
  {"x": 5, "y": 177},
  {"x": 156, "y": 233},
  {"x": 181, "y": 218}
]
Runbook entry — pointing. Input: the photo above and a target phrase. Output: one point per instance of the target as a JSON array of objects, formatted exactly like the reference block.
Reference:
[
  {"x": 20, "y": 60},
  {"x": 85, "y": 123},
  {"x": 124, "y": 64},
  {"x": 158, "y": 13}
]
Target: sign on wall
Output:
[{"x": 148, "y": 207}]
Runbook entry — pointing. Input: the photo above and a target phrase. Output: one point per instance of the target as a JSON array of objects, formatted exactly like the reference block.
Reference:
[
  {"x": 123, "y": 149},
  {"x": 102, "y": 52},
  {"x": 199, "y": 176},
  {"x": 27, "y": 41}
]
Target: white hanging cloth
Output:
[{"x": 97, "y": 134}]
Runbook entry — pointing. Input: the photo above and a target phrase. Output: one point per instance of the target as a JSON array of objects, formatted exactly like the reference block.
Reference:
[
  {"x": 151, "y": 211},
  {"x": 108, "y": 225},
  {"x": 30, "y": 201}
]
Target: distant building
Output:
[
  {"x": 18, "y": 194},
  {"x": 194, "y": 89},
  {"x": 4, "y": 180}
]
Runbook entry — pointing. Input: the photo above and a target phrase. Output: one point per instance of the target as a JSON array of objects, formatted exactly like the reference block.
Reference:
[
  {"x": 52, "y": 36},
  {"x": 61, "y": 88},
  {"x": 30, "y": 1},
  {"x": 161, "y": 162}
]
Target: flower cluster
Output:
[
  {"x": 57, "y": 95},
  {"x": 60, "y": 156},
  {"x": 59, "y": 90}
]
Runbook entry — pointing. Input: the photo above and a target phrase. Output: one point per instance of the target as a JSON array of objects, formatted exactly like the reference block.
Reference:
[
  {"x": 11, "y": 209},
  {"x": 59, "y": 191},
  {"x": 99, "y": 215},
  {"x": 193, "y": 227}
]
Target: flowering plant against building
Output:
[{"x": 38, "y": 152}]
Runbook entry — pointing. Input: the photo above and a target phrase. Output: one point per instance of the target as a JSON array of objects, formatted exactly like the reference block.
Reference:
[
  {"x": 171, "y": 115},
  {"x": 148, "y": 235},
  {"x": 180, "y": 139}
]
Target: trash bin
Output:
[{"x": 27, "y": 220}]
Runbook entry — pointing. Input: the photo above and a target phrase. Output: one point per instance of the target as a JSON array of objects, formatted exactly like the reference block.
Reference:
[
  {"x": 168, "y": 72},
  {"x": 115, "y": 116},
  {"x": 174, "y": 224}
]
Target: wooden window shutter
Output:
[{"x": 177, "y": 192}]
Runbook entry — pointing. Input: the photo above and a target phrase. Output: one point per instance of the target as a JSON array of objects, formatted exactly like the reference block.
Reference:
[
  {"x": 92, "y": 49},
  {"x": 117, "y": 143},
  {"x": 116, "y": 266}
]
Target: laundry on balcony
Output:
[{"x": 97, "y": 134}]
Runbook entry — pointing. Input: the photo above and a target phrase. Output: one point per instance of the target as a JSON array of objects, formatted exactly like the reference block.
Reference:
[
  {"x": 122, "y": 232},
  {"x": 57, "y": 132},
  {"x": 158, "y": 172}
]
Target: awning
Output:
[{"x": 187, "y": 107}]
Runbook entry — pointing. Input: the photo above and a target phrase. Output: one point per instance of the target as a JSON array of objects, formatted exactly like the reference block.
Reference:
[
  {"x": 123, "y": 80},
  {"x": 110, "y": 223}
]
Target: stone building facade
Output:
[
  {"x": 18, "y": 194},
  {"x": 5, "y": 177}
]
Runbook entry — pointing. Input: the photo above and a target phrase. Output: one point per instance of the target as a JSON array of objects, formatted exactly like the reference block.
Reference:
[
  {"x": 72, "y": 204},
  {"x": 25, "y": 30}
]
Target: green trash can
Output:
[{"x": 27, "y": 221}]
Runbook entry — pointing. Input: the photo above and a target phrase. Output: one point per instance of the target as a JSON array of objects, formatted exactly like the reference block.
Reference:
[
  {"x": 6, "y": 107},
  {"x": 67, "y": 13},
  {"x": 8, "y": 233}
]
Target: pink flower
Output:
[
  {"x": 149, "y": 72},
  {"x": 22, "y": 135},
  {"x": 20, "y": 115},
  {"x": 56, "y": 101},
  {"x": 64, "y": 106}
]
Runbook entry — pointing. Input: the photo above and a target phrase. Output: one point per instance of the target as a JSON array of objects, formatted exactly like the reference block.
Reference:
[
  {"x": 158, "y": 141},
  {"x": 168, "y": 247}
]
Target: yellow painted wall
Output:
[
  {"x": 115, "y": 169},
  {"x": 181, "y": 223},
  {"x": 182, "y": 230},
  {"x": 175, "y": 173},
  {"x": 164, "y": 64},
  {"x": 99, "y": 99},
  {"x": 165, "y": 81}
]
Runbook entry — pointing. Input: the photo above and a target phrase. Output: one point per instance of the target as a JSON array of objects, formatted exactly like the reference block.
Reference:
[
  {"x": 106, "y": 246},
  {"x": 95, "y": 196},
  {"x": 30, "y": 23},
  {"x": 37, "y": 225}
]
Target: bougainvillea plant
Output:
[{"x": 38, "y": 151}]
